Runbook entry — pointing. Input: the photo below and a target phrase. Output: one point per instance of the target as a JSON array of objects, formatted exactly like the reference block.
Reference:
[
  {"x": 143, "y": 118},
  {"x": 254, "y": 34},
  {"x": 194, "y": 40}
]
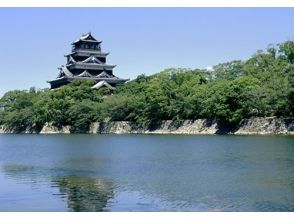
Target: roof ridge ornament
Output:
[{"x": 87, "y": 37}]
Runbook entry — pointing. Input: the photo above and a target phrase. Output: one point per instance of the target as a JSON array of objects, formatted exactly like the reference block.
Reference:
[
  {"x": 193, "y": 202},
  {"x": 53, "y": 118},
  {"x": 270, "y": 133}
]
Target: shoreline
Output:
[{"x": 253, "y": 126}]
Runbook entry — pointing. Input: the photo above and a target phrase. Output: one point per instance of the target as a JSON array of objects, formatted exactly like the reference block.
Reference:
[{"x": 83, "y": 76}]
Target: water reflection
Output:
[
  {"x": 79, "y": 192},
  {"x": 85, "y": 194},
  {"x": 146, "y": 173}
]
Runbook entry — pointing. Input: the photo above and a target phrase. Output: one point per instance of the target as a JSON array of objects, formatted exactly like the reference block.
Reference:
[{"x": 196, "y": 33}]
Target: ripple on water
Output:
[{"x": 146, "y": 173}]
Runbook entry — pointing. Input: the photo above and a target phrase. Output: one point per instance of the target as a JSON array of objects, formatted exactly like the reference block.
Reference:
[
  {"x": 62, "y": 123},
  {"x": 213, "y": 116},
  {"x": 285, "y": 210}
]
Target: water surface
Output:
[{"x": 146, "y": 173}]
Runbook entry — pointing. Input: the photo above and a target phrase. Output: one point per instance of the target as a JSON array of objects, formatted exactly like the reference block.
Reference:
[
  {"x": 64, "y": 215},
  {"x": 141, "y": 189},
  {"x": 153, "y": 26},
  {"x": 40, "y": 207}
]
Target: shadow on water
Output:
[{"x": 81, "y": 193}]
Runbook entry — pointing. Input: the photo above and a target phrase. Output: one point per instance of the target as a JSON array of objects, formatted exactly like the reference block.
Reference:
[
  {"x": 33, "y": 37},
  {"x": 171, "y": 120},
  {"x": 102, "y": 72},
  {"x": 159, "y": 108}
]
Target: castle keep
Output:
[{"x": 87, "y": 61}]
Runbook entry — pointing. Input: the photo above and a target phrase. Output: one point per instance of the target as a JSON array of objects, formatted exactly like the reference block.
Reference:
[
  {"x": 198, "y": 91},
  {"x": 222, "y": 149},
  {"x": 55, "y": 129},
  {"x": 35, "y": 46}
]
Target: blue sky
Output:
[{"x": 140, "y": 40}]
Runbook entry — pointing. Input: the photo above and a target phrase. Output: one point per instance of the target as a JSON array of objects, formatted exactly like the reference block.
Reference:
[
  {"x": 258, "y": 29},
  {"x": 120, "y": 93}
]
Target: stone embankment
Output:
[{"x": 253, "y": 126}]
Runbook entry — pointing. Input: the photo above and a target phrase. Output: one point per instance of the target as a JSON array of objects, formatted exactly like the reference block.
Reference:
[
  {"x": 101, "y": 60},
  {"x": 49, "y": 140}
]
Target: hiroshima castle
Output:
[{"x": 87, "y": 61}]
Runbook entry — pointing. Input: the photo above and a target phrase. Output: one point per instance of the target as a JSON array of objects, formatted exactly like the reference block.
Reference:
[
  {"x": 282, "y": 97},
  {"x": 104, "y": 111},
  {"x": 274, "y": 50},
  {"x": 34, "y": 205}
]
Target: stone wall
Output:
[
  {"x": 51, "y": 129},
  {"x": 200, "y": 126},
  {"x": 258, "y": 126},
  {"x": 254, "y": 126},
  {"x": 265, "y": 126}
]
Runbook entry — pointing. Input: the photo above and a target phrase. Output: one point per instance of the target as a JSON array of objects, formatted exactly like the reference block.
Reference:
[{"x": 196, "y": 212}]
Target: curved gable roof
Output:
[{"x": 88, "y": 38}]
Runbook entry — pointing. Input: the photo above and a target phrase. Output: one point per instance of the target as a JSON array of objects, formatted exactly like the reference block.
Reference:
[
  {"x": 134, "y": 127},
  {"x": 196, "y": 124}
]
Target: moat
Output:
[{"x": 146, "y": 173}]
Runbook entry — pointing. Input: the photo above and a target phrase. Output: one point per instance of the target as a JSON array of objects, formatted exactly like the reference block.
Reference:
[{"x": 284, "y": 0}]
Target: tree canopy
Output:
[{"x": 261, "y": 86}]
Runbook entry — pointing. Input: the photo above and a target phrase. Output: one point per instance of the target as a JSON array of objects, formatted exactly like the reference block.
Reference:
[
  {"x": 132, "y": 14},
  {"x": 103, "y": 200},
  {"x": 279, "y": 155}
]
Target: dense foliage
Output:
[{"x": 258, "y": 87}]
